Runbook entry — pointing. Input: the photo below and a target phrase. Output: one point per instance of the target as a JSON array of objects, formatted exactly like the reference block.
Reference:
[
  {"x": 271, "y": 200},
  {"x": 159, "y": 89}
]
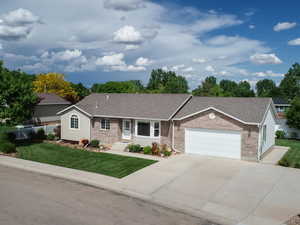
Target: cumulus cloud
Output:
[
  {"x": 188, "y": 69},
  {"x": 124, "y": 5},
  {"x": 294, "y": 42},
  {"x": 268, "y": 73},
  {"x": 141, "y": 61},
  {"x": 223, "y": 40},
  {"x": 177, "y": 67},
  {"x": 17, "y": 24},
  {"x": 20, "y": 17},
  {"x": 111, "y": 60},
  {"x": 265, "y": 59},
  {"x": 128, "y": 35},
  {"x": 128, "y": 68},
  {"x": 210, "y": 68},
  {"x": 284, "y": 26},
  {"x": 199, "y": 60},
  {"x": 131, "y": 47},
  {"x": 66, "y": 55},
  {"x": 251, "y": 26}
]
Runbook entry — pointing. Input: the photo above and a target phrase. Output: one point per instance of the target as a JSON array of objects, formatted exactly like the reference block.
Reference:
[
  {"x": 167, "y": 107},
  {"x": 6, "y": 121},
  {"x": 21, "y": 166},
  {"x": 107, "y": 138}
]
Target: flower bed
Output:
[{"x": 155, "y": 150}]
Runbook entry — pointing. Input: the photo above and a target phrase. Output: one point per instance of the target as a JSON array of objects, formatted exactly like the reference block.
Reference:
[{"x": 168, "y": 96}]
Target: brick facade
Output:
[
  {"x": 110, "y": 136},
  {"x": 249, "y": 133}
]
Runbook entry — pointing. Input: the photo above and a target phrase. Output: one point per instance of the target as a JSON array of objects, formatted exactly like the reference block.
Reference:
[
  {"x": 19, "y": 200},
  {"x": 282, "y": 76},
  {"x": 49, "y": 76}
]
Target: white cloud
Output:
[
  {"x": 124, "y": 5},
  {"x": 19, "y": 17},
  {"x": 265, "y": 59},
  {"x": 17, "y": 24},
  {"x": 111, "y": 60},
  {"x": 268, "y": 73},
  {"x": 66, "y": 55},
  {"x": 223, "y": 40},
  {"x": 177, "y": 67},
  {"x": 210, "y": 68},
  {"x": 1, "y": 47},
  {"x": 251, "y": 26},
  {"x": 294, "y": 42},
  {"x": 131, "y": 47},
  {"x": 141, "y": 61},
  {"x": 188, "y": 69},
  {"x": 284, "y": 26},
  {"x": 199, "y": 60},
  {"x": 128, "y": 35}
]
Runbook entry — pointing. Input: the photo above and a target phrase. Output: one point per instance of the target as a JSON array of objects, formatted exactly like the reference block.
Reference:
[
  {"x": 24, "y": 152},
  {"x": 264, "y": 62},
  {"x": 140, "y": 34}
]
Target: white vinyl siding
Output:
[
  {"x": 267, "y": 132},
  {"x": 220, "y": 143}
]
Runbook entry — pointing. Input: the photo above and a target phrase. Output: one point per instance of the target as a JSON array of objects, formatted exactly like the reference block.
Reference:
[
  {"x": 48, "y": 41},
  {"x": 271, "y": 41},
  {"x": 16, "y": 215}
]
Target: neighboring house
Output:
[
  {"x": 45, "y": 112},
  {"x": 282, "y": 106},
  {"x": 241, "y": 128}
]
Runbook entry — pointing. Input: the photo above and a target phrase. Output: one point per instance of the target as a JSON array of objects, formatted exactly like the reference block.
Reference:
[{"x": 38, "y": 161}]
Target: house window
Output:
[
  {"x": 105, "y": 124},
  {"x": 264, "y": 133},
  {"x": 143, "y": 128},
  {"x": 74, "y": 122},
  {"x": 156, "y": 129},
  {"x": 147, "y": 128}
]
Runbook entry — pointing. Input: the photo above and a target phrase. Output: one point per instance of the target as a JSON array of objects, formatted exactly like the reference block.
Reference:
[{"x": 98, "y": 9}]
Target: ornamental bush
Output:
[
  {"x": 94, "y": 143},
  {"x": 134, "y": 148},
  {"x": 280, "y": 134},
  {"x": 147, "y": 150},
  {"x": 7, "y": 147}
]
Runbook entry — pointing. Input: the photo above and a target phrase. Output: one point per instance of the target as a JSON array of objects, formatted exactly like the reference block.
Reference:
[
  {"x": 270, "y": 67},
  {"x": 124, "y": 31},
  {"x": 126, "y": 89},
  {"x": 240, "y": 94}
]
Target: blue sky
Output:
[{"x": 125, "y": 39}]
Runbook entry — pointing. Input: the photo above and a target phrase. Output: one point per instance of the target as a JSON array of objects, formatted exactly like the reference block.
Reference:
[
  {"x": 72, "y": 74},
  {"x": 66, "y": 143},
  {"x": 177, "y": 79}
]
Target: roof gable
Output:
[
  {"x": 141, "y": 106},
  {"x": 245, "y": 110}
]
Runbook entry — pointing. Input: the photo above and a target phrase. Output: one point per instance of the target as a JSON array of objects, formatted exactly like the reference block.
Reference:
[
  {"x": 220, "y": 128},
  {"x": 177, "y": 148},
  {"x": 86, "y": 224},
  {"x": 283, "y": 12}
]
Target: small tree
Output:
[{"x": 293, "y": 114}]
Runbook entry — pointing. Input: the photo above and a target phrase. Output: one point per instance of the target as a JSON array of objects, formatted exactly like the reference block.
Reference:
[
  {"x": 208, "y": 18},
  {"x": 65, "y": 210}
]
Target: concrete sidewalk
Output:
[{"x": 221, "y": 190}]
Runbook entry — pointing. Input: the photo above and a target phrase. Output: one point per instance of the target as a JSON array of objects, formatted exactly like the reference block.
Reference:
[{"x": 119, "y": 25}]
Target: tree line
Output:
[{"x": 18, "y": 89}]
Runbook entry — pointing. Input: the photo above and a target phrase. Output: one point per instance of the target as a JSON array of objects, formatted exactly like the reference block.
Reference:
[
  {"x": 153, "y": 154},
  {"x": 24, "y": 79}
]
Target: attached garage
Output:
[{"x": 220, "y": 143}]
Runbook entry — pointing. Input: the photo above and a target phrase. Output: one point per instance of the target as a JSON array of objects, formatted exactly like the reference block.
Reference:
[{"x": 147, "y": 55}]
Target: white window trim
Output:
[
  {"x": 151, "y": 129},
  {"x": 105, "y": 124},
  {"x": 78, "y": 117}
]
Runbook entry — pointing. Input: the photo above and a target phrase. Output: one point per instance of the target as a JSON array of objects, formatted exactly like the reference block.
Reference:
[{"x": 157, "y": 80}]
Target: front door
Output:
[{"x": 126, "y": 134}]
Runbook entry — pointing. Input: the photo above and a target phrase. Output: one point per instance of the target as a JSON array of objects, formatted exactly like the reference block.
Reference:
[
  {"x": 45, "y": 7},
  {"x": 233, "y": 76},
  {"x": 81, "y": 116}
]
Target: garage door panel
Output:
[{"x": 213, "y": 142}]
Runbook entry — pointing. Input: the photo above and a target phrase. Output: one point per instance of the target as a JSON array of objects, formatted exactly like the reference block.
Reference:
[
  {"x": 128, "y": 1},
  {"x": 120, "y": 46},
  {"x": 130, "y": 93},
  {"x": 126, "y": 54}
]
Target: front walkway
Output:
[
  {"x": 222, "y": 190},
  {"x": 275, "y": 154}
]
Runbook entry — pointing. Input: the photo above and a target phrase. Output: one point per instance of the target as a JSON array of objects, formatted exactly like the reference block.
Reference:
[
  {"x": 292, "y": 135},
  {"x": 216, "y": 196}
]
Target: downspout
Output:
[{"x": 173, "y": 138}]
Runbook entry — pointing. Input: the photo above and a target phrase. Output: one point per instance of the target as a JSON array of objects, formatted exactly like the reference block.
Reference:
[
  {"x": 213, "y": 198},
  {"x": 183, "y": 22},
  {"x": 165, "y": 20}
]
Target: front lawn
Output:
[
  {"x": 98, "y": 162},
  {"x": 292, "y": 157}
]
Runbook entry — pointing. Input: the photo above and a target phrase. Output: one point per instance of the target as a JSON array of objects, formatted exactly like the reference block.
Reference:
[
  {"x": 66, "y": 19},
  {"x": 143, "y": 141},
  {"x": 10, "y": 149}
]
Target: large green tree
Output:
[
  {"x": 80, "y": 90},
  {"x": 131, "y": 86},
  {"x": 293, "y": 113},
  {"x": 229, "y": 87},
  {"x": 290, "y": 84},
  {"x": 208, "y": 87},
  {"x": 166, "y": 82},
  {"x": 17, "y": 97},
  {"x": 267, "y": 88},
  {"x": 244, "y": 90}
]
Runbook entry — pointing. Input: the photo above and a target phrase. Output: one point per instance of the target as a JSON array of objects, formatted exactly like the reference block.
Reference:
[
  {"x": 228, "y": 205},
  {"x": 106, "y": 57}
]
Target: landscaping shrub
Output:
[
  {"x": 50, "y": 137},
  {"x": 284, "y": 162},
  {"x": 297, "y": 165},
  {"x": 167, "y": 153},
  {"x": 294, "y": 135},
  {"x": 280, "y": 134},
  {"x": 7, "y": 147},
  {"x": 7, "y": 136},
  {"x": 134, "y": 148},
  {"x": 40, "y": 134},
  {"x": 95, "y": 143},
  {"x": 147, "y": 150}
]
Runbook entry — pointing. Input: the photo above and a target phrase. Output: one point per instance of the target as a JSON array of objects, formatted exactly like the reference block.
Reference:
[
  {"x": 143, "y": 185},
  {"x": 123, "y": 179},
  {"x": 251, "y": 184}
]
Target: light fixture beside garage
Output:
[{"x": 212, "y": 116}]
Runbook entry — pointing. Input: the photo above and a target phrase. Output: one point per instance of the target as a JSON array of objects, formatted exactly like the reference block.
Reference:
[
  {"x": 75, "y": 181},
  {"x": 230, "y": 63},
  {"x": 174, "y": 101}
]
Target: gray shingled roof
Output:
[
  {"x": 249, "y": 110},
  {"x": 151, "y": 106},
  {"x": 51, "y": 99}
]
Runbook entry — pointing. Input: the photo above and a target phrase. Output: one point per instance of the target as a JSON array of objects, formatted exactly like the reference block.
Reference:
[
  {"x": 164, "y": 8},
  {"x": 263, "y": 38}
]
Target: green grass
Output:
[
  {"x": 293, "y": 155},
  {"x": 98, "y": 162}
]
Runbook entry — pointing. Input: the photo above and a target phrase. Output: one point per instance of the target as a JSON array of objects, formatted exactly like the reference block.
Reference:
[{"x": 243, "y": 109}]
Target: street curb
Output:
[{"x": 122, "y": 191}]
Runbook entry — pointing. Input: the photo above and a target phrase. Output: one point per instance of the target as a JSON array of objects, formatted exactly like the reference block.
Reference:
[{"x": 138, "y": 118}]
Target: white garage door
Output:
[{"x": 219, "y": 143}]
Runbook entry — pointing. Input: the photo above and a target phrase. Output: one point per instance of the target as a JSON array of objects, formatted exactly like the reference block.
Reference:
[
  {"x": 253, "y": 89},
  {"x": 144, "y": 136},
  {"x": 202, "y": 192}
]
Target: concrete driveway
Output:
[{"x": 229, "y": 191}]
